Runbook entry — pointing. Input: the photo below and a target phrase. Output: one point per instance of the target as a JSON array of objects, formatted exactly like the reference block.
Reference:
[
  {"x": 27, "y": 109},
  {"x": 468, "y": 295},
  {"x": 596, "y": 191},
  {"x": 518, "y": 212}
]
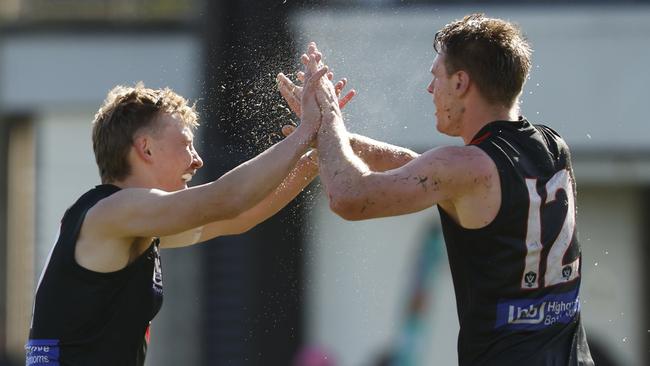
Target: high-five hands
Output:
[
  {"x": 319, "y": 89},
  {"x": 311, "y": 113},
  {"x": 292, "y": 93}
]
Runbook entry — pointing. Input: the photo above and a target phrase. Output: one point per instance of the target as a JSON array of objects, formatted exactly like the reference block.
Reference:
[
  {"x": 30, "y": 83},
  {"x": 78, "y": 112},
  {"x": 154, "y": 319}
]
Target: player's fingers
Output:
[
  {"x": 324, "y": 93},
  {"x": 286, "y": 86},
  {"x": 348, "y": 97},
  {"x": 301, "y": 76},
  {"x": 282, "y": 80},
  {"x": 304, "y": 59},
  {"x": 290, "y": 92},
  {"x": 319, "y": 74},
  {"x": 330, "y": 75},
  {"x": 293, "y": 103},
  {"x": 339, "y": 86},
  {"x": 312, "y": 66},
  {"x": 287, "y": 92},
  {"x": 311, "y": 47},
  {"x": 288, "y": 130}
]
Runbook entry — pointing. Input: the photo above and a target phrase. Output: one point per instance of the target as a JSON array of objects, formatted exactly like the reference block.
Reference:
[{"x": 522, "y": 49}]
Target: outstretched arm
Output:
[
  {"x": 142, "y": 212},
  {"x": 380, "y": 156},
  {"x": 356, "y": 192},
  {"x": 302, "y": 174}
]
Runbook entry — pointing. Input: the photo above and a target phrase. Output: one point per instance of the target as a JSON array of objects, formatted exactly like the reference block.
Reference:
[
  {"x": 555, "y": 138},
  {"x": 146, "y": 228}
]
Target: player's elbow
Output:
[{"x": 348, "y": 208}]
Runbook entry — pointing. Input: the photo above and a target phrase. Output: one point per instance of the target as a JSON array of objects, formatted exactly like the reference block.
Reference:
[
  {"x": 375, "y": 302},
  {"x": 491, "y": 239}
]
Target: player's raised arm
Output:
[
  {"x": 379, "y": 156},
  {"x": 303, "y": 173},
  {"x": 142, "y": 212},
  {"x": 356, "y": 192},
  {"x": 439, "y": 176}
]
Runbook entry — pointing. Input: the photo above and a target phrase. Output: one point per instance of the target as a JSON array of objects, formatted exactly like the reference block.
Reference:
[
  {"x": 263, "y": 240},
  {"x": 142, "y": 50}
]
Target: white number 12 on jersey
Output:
[{"x": 556, "y": 272}]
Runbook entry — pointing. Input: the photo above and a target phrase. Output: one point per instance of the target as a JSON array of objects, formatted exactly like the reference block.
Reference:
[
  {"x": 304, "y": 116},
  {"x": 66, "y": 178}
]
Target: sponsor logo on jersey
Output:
[
  {"x": 40, "y": 352},
  {"x": 537, "y": 313}
]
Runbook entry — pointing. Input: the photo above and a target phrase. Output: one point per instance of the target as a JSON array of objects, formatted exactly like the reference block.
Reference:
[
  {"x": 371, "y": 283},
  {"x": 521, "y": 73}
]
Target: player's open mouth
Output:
[{"x": 187, "y": 177}]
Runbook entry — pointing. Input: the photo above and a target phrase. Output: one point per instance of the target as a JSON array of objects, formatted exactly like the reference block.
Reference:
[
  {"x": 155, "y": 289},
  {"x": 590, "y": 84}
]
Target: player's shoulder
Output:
[
  {"x": 466, "y": 161},
  {"x": 122, "y": 202},
  {"x": 467, "y": 154},
  {"x": 115, "y": 205},
  {"x": 549, "y": 132},
  {"x": 554, "y": 141},
  {"x": 90, "y": 198},
  {"x": 456, "y": 153},
  {"x": 546, "y": 129}
]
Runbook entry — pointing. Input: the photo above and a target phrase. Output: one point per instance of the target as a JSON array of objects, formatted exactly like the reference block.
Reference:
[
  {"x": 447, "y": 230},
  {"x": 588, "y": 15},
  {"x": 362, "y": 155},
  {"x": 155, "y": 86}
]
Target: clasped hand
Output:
[{"x": 318, "y": 97}]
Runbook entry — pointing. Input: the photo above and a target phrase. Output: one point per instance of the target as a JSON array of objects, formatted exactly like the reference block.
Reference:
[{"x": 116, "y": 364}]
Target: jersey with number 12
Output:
[{"x": 517, "y": 279}]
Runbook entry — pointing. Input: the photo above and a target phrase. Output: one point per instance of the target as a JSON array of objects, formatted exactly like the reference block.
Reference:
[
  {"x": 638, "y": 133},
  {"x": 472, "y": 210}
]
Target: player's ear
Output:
[
  {"x": 142, "y": 147},
  {"x": 461, "y": 82}
]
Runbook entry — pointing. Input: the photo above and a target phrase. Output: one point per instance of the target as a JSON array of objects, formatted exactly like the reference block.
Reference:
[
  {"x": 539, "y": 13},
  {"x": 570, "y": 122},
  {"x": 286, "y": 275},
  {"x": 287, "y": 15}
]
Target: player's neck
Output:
[
  {"x": 481, "y": 114},
  {"x": 135, "y": 181}
]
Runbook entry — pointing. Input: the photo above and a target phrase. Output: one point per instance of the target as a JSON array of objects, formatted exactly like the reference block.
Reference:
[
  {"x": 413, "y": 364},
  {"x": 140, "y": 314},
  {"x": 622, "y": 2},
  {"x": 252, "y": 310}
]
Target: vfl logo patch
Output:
[
  {"x": 42, "y": 352},
  {"x": 539, "y": 313},
  {"x": 566, "y": 273},
  {"x": 530, "y": 278}
]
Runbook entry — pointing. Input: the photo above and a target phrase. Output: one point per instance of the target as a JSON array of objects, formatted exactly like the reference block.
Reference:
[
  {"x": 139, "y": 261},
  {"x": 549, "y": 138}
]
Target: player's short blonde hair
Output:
[
  {"x": 494, "y": 53},
  {"x": 126, "y": 111}
]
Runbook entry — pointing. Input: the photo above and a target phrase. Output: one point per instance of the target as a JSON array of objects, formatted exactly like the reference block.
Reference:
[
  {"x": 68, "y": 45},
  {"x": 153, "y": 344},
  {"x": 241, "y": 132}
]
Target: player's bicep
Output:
[
  {"x": 138, "y": 212},
  {"x": 415, "y": 186}
]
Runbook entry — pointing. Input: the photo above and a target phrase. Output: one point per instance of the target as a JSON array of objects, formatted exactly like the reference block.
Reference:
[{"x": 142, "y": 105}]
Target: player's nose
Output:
[
  {"x": 430, "y": 87},
  {"x": 197, "y": 162}
]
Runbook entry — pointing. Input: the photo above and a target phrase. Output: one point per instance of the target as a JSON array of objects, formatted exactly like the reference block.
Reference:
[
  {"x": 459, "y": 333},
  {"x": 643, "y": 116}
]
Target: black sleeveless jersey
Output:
[
  {"x": 517, "y": 279},
  {"x": 82, "y": 317}
]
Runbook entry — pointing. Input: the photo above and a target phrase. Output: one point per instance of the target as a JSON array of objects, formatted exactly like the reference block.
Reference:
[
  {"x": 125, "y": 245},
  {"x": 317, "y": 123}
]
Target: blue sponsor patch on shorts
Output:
[
  {"x": 42, "y": 352},
  {"x": 537, "y": 313}
]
